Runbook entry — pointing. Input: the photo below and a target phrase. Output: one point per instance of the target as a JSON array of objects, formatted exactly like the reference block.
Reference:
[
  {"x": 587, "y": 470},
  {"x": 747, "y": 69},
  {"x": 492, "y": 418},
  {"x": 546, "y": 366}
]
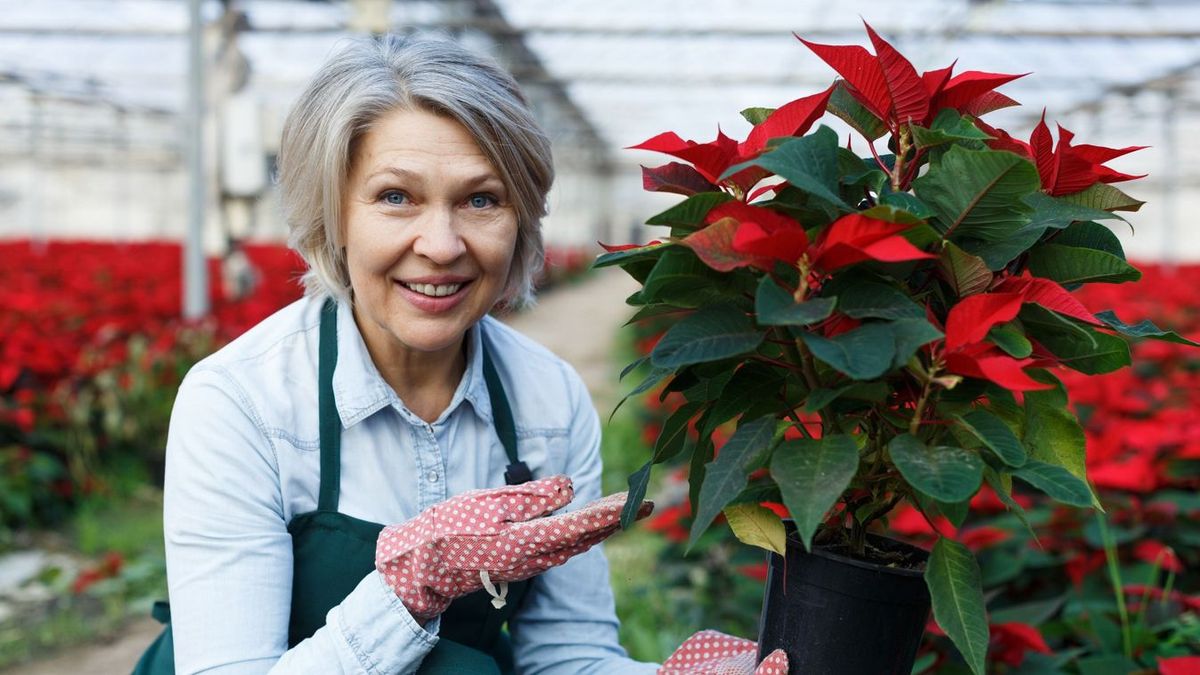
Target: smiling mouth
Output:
[{"x": 433, "y": 290}]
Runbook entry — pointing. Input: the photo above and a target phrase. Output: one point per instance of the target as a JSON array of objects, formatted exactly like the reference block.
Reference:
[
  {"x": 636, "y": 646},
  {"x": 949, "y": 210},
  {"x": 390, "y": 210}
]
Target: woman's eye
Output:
[
  {"x": 482, "y": 201},
  {"x": 394, "y": 198}
]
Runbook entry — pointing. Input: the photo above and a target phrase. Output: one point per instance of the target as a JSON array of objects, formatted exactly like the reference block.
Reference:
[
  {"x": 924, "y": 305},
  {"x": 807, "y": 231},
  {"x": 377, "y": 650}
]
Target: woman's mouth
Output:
[
  {"x": 432, "y": 290},
  {"x": 433, "y": 298}
]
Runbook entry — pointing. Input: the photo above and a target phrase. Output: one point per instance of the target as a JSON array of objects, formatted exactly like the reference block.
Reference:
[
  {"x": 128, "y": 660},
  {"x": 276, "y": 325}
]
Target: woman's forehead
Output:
[{"x": 413, "y": 144}]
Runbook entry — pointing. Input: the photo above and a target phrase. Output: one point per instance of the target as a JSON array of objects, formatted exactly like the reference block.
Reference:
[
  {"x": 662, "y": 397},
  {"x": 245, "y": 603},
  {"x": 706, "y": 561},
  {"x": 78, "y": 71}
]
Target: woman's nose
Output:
[{"x": 438, "y": 237}]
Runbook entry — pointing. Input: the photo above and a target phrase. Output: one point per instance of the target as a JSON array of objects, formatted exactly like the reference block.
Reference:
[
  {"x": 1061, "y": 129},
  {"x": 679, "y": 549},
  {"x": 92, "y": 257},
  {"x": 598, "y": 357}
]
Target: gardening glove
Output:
[
  {"x": 487, "y": 538},
  {"x": 713, "y": 653}
]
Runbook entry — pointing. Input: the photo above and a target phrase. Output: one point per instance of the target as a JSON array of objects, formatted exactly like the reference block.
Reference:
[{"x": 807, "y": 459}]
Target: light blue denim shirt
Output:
[{"x": 243, "y": 460}]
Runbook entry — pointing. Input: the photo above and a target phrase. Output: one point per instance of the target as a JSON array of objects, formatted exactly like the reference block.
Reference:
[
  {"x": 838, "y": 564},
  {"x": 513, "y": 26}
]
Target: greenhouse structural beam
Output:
[{"x": 195, "y": 280}]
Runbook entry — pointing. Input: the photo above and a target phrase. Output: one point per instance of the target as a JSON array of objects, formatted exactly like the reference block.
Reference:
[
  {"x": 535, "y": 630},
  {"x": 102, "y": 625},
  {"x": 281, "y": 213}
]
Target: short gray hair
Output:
[{"x": 371, "y": 77}]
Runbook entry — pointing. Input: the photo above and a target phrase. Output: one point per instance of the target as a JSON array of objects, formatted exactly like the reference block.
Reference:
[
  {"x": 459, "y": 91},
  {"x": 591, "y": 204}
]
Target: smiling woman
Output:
[{"x": 414, "y": 179}]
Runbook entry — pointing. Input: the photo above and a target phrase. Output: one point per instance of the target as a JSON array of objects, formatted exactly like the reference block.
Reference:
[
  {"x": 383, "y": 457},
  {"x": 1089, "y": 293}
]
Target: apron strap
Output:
[
  {"x": 330, "y": 423},
  {"x": 517, "y": 471}
]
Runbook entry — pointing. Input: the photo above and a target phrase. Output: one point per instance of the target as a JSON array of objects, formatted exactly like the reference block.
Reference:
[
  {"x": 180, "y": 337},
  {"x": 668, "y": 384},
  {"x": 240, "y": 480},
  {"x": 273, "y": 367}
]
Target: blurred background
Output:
[{"x": 140, "y": 230}]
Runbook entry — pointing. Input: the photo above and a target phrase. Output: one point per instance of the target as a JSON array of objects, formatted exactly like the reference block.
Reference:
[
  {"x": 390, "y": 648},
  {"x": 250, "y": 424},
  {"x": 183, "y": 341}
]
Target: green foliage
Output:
[{"x": 888, "y": 309}]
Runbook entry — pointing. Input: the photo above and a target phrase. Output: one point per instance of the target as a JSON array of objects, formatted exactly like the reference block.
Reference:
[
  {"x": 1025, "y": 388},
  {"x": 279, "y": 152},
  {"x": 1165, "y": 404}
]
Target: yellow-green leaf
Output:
[{"x": 757, "y": 526}]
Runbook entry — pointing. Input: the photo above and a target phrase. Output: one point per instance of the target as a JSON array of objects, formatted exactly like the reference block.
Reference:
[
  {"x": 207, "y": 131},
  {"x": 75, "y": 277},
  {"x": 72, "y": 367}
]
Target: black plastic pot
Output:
[{"x": 836, "y": 615}]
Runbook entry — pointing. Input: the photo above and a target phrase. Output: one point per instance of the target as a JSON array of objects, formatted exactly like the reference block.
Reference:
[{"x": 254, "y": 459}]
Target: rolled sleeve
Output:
[
  {"x": 229, "y": 555},
  {"x": 568, "y": 624}
]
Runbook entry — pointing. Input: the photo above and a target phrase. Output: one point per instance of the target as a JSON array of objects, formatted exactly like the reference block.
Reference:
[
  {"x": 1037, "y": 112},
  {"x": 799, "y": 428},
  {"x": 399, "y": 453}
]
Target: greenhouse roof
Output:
[{"x": 635, "y": 68}]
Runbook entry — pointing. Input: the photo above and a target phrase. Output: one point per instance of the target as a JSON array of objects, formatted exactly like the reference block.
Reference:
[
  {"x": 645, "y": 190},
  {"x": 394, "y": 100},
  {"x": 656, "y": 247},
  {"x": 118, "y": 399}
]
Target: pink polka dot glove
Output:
[
  {"x": 713, "y": 653},
  {"x": 488, "y": 538}
]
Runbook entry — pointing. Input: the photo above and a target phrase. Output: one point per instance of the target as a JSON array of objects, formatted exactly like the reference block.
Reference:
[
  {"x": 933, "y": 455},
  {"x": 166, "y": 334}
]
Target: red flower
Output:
[
  {"x": 669, "y": 522},
  {"x": 978, "y": 538},
  {"x": 1155, "y": 552},
  {"x": 1179, "y": 665},
  {"x": 854, "y": 238},
  {"x": 1064, "y": 169},
  {"x": 713, "y": 159},
  {"x": 887, "y": 84},
  {"x": 1082, "y": 564},
  {"x": 1011, "y": 641}
]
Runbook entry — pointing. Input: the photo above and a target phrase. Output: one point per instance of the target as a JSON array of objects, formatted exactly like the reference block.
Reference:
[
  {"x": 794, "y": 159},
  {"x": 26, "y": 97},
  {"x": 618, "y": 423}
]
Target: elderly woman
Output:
[{"x": 331, "y": 499}]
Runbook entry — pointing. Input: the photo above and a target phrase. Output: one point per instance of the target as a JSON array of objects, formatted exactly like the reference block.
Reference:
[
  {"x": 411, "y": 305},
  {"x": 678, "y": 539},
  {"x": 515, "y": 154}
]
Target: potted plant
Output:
[{"x": 880, "y": 329}]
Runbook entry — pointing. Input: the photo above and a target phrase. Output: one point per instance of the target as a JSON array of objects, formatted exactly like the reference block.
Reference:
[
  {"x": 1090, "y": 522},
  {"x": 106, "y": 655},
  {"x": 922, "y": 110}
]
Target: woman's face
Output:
[{"x": 429, "y": 233}]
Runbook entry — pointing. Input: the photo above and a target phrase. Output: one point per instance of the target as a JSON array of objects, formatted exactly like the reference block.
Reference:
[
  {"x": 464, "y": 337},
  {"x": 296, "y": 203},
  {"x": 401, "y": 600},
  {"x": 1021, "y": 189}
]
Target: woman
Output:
[{"x": 413, "y": 178}]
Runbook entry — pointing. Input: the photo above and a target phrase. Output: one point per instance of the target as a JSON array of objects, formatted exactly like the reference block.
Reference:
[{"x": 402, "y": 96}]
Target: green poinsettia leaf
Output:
[
  {"x": 1143, "y": 329},
  {"x": 1104, "y": 197},
  {"x": 945, "y": 473},
  {"x": 671, "y": 438},
  {"x": 681, "y": 279},
  {"x": 1092, "y": 354},
  {"x": 955, "y": 587},
  {"x": 1088, "y": 234},
  {"x": 647, "y": 252},
  {"x": 909, "y": 203},
  {"x": 1001, "y": 484},
  {"x": 909, "y": 335},
  {"x": 776, "y": 307},
  {"x": 1052, "y": 433},
  {"x": 726, "y": 476},
  {"x": 1056, "y": 482},
  {"x": 947, "y": 127},
  {"x": 812, "y": 474},
  {"x": 978, "y": 193},
  {"x": 1012, "y": 341},
  {"x": 712, "y": 333},
  {"x": 996, "y": 435},
  {"x": 843, "y": 104},
  {"x": 1072, "y": 265},
  {"x": 1058, "y": 212},
  {"x": 756, "y": 116},
  {"x": 998, "y": 254},
  {"x": 808, "y": 163},
  {"x": 870, "y": 299},
  {"x": 637, "y": 492},
  {"x": 862, "y": 353},
  {"x": 691, "y": 212},
  {"x": 967, "y": 274}
]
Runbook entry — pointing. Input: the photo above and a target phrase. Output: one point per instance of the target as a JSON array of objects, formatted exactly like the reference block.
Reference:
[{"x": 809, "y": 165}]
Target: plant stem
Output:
[
  {"x": 1114, "y": 574},
  {"x": 902, "y": 147}
]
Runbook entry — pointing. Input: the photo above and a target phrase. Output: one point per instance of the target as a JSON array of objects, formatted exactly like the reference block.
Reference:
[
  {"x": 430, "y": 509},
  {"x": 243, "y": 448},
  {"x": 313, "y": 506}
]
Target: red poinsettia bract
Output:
[
  {"x": 1064, "y": 169},
  {"x": 740, "y": 235},
  {"x": 888, "y": 85},
  {"x": 712, "y": 159},
  {"x": 968, "y": 322}
]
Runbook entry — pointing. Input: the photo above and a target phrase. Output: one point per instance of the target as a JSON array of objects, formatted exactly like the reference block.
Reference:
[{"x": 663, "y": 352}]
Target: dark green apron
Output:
[{"x": 332, "y": 552}]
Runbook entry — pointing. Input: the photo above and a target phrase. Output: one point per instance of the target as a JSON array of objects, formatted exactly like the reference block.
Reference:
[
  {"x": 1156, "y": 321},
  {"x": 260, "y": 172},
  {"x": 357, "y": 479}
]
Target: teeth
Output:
[{"x": 434, "y": 291}]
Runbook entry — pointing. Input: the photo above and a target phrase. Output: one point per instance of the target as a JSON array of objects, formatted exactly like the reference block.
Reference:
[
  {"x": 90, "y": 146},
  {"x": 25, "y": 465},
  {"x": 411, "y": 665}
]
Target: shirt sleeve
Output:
[
  {"x": 229, "y": 555},
  {"x": 568, "y": 624}
]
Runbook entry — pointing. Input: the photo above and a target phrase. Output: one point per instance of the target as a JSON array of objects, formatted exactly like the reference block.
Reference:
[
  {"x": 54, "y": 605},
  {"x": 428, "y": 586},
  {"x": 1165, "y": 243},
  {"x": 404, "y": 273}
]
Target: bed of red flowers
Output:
[
  {"x": 92, "y": 349},
  {"x": 1113, "y": 593}
]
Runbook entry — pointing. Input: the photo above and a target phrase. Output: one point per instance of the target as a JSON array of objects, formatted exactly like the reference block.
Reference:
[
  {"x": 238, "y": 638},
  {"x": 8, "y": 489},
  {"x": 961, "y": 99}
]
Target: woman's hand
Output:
[
  {"x": 713, "y": 653},
  {"x": 492, "y": 536}
]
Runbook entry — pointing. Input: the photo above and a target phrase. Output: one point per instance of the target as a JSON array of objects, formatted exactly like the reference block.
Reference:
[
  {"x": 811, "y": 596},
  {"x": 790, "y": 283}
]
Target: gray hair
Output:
[{"x": 371, "y": 77}]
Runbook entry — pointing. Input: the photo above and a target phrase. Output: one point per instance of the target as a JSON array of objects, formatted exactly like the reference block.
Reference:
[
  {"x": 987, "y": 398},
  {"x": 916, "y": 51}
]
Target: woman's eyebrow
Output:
[{"x": 469, "y": 181}]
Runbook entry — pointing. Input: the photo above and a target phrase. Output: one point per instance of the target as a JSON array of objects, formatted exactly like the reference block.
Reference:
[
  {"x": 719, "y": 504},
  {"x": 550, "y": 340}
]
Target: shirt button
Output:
[{"x": 433, "y": 476}]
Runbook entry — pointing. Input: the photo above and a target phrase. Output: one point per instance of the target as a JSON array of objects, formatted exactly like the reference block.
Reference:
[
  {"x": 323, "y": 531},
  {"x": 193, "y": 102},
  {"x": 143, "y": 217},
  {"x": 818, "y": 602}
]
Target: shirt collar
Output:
[{"x": 360, "y": 391}]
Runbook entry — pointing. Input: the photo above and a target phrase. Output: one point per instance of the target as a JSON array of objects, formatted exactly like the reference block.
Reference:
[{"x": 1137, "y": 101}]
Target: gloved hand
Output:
[
  {"x": 710, "y": 652},
  {"x": 486, "y": 537}
]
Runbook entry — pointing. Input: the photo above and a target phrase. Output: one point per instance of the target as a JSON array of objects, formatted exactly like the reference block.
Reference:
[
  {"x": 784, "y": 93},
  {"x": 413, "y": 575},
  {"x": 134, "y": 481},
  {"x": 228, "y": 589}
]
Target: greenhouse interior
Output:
[{"x": 143, "y": 229}]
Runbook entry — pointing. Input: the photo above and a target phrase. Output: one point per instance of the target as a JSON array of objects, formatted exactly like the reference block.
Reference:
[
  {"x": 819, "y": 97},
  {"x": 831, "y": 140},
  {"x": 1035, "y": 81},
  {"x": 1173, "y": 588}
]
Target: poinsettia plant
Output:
[{"x": 881, "y": 329}]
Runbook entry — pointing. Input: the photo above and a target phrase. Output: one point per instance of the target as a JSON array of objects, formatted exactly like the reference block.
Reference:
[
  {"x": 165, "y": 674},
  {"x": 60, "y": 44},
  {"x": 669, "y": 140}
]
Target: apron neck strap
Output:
[
  {"x": 517, "y": 471},
  {"x": 331, "y": 425}
]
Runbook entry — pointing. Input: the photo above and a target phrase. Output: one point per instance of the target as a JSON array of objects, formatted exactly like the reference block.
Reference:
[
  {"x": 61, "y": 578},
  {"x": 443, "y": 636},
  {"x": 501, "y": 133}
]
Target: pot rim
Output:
[{"x": 864, "y": 564}]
